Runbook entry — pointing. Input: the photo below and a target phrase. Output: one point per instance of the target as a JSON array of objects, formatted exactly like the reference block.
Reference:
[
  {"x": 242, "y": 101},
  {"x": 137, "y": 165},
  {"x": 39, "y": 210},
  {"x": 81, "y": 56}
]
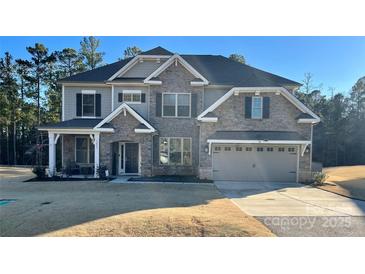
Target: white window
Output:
[
  {"x": 238, "y": 148},
  {"x": 84, "y": 150},
  {"x": 248, "y": 148},
  {"x": 176, "y": 104},
  {"x": 227, "y": 148},
  {"x": 281, "y": 149},
  {"x": 291, "y": 149},
  {"x": 130, "y": 96},
  {"x": 256, "y": 110},
  {"x": 175, "y": 151},
  {"x": 88, "y": 104},
  {"x": 270, "y": 149},
  {"x": 260, "y": 149}
]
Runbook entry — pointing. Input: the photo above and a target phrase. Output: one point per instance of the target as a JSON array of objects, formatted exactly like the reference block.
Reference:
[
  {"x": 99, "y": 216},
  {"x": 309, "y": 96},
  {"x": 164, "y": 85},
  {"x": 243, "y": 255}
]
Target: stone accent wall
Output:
[
  {"x": 231, "y": 117},
  {"x": 177, "y": 79},
  {"x": 124, "y": 132}
]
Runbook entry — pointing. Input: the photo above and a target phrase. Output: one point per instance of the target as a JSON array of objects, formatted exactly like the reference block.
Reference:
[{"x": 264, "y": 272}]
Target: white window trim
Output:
[
  {"x": 132, "y": 92},
  {"x": 262, "y": 107},
  {"x": 88, "y": 149},
  {"x": 87, "y": 92},
  {"x": 176, "y": 105},
  {"x": 182, "y": 151}
]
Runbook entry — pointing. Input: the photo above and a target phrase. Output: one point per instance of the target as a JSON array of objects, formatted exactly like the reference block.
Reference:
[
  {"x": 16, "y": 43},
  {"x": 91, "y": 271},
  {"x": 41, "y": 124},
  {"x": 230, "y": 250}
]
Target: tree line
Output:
[{"x": 30, "y": 96}]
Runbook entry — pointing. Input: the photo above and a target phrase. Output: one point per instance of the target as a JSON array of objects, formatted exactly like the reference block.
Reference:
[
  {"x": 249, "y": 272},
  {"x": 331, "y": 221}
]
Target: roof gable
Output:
[
  {"x": 236, "y": 90},
  {"x": 184, "y": 63},
  {"x": 125, "y": 107}
]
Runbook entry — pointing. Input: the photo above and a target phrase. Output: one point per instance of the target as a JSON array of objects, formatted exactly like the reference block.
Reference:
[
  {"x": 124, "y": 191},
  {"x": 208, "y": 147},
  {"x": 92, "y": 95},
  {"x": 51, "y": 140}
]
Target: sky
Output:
[{"x": 335, "y": 62}]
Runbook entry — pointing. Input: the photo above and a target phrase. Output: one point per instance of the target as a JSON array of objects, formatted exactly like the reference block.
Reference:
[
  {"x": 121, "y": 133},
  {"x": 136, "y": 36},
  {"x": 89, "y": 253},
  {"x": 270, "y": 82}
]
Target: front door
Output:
[{"x": 128, "y": 158}]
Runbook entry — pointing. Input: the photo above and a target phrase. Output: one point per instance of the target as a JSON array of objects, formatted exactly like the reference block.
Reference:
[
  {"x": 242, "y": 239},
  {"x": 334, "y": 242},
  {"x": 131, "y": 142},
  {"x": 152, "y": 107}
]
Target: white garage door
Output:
[{"x": 255, "y": 163}]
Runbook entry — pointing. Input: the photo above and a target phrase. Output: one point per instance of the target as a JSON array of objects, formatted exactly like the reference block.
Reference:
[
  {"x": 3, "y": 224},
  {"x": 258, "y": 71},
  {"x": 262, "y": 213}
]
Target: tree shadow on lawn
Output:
[{"x": 44, "y": 207}]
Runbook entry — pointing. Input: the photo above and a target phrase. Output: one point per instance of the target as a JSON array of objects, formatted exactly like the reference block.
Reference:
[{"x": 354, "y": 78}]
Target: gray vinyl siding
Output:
[
  {"x": 142, "y": 108},
  {"x": 211, "y": 95},
  {"x": 143, "y": 69},
  {"x": 70, "y": 100}
]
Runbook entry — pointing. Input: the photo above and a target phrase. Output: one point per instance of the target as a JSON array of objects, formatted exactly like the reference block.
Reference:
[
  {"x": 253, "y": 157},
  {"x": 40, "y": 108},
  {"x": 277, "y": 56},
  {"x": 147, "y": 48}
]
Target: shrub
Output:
[
  {"x": 40, "y": 171},
  {"x": 101, "y": 171},
  {"x": 319, "y": 178}
]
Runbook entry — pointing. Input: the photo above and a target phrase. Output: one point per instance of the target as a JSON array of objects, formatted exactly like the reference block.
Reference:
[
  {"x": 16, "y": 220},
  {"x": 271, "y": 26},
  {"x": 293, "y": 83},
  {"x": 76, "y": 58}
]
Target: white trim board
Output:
[
  {"x": 283, "y": 91},
  {"x": 118, "y": 110},
  {"x": 169, "y": 62}
]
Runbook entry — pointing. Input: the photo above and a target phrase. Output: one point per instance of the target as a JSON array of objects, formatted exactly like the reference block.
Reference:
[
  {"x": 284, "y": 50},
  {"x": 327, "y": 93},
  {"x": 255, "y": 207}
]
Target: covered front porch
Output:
[{"x": 80, "y": 146}]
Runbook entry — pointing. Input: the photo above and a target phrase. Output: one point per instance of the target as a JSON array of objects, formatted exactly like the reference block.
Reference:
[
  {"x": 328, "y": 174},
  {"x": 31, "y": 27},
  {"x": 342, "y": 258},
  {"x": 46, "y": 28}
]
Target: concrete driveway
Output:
[{"x": 291, "y": 209}]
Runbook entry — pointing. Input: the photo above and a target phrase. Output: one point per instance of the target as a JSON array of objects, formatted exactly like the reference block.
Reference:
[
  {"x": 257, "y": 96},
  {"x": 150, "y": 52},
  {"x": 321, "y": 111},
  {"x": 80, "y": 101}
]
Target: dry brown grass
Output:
[
  {"x": 217, "y": 218},
  {"x": 348, "y": 181}
]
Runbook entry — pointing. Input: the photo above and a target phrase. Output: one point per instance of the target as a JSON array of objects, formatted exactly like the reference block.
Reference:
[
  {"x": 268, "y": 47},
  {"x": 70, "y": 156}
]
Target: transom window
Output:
[
  {"x": 238, "y": 148},
  {"x": 256, "y": 110},
  {"x": 217, "y": 148},
  {"x": 270, "y": 149},
  {"x": 248, "y": 148},
  {"x": 175, "y": 151},
  {"x": 281, "y": 149},
  {"x": 260, "y": 149},
  {"x": 84, "y": 150},
  {"x": 88, "y": 104},
  {"x": 176, "y": 104},
  {"x": 291, "y": 149},
  {"x": 227, "y": 148}
]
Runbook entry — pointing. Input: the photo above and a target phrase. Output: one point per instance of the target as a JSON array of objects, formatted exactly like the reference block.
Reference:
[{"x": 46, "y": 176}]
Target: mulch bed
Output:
[
  {"x": 59, "y": 179},
  {"x": 172, "y": 179}
]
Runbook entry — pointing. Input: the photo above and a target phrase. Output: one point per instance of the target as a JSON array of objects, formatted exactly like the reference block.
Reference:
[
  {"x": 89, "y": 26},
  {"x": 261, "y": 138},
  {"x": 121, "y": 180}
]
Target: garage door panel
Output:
[{"x": 255, "y": 165}]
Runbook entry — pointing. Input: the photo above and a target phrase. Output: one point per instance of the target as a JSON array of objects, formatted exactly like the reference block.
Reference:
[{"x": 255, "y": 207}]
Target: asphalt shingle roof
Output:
[
  {"x": 76, "y": 123},
  {"x": 257, "y": 135},
  {"x": 216, "y": 69},
  {"x": 157, "y": 51},
  {"x": 222, "y": 70},
  {"x": 99, "y": 74}
]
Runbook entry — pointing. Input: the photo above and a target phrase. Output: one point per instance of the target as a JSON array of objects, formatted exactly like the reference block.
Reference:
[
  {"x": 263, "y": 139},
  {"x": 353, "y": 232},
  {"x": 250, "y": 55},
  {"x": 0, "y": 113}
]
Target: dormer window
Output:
[{"x": 256, "y": 110}]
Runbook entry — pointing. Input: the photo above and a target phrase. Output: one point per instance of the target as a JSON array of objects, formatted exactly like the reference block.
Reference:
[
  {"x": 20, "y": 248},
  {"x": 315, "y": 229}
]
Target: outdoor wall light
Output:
[{"x": 206, "y": 148}]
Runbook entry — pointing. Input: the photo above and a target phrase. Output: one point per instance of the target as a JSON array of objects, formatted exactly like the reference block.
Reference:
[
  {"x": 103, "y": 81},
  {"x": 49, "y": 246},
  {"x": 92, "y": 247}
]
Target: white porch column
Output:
[
  {"x": 51, "y": 154},
  {"x": 96, "y": 152}
]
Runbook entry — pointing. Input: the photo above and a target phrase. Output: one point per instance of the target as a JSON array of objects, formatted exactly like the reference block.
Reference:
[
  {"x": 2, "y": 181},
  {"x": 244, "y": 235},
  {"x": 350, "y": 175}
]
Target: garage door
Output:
[{"x": 255, "y": 163}]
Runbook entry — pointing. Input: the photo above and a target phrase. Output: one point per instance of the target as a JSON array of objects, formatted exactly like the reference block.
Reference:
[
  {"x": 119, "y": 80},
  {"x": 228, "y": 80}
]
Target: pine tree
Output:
[
  {"x": 131, "y": 52},
  {"x": 92, "y": 58}
]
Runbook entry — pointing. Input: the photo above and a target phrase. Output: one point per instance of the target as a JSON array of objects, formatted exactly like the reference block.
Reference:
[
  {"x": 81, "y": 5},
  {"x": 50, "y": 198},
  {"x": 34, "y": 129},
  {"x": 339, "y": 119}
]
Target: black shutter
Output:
[
  {"x": 248, "y": 107},
  {"x": 266, "y": 108},
  {"x": 120, "y": 97},
  {"x": 158, "y": 104},
  {"x": 98, "y": 105},
  {"x": 143, "y": 98},
  {"x": 156, "y": 150},
  {"x": 194, "y": 105},
  {"x": 79, "y": 104}
]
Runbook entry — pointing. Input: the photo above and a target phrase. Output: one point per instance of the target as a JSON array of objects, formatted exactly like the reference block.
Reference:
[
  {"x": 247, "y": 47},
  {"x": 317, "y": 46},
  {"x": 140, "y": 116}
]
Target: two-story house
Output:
[{"x": 164, "y": 113}]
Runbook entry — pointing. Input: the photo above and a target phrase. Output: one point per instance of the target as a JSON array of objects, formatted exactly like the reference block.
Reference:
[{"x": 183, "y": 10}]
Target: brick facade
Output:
[{"x": 230, "y": 115}]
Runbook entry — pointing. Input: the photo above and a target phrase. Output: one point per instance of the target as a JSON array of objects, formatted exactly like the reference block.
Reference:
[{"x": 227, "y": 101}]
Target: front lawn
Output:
[
  {"x": 348, "y": 181},
  {"x": 107, "y": 209}
]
